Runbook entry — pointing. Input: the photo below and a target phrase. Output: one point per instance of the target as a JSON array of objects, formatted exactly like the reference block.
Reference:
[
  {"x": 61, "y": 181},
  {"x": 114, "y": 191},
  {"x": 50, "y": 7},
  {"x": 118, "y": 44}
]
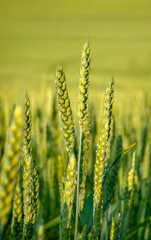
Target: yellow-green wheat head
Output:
[
  {"x": 84, "y": 160},
  {"x": 103, "y": 142},
  {"x": 27, "y": 172},
  {"x": 84, "y": 83},
  {"x": 68, "y": 198},
  {"x": 9, "y": 167},
  {"x": 17, "y": 218},
  {"x": 132, "y": 180},
  {"x": 65, "y": 109},
  {"x": 35, "y": 194},
  {"x": 61, "y": 171},
  {"x": 27, "y": 127}
]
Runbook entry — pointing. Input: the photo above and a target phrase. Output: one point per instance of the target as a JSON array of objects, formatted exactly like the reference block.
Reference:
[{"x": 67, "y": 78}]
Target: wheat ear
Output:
[{"x": 9, "y": 167}]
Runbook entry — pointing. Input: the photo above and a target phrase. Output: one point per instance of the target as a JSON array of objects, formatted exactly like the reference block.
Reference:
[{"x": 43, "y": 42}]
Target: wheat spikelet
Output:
[
  {"x": 35, "y": 191},
  {"x": 82, "y": 114},
  {"x": 84, "y": 160},
  {"x": 61, "y": 160},
  {"x": 132, "y": 180},
  {"x": 9, "y": 167},
  {"x": 84, "y": 83},
  {"x": 27, "y": 172},
  {"x": 100, "y": 164},
  {"x": 70, "y": 183},
  {"x": 102, "y": 146},
  {"x": 111, "y": 139},
  {"x": 17, "y": 220},
  {"x": 65, "y": 109},
  {"x": 68, "y": 197}
]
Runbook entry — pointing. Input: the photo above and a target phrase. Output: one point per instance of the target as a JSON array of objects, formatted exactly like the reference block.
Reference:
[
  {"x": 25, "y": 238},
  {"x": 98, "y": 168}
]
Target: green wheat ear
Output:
[
  {"x": 68, "y": 198},
  {"x": 9, "y": 167},
  {"x": 65, "y": 109},
  {"x": 27, "y": 172},
  {"x": 17, "y": 220},
  {"x": 61, "y": 172},
  {"x": 35, "y": 191},
  {"x": 100, "y": 164},
  {"x": 103, "y": 142},
  {"x": 84, "y": 135},
  {"x": 84, "y": 160},
  {"x": 84, "y": 83},
  {"x": 132, "y": 180}
]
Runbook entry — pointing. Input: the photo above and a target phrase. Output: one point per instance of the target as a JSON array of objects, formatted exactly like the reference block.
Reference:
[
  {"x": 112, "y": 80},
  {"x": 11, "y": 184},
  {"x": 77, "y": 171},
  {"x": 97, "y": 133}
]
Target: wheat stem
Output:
[{"x": 77, "y": 196}]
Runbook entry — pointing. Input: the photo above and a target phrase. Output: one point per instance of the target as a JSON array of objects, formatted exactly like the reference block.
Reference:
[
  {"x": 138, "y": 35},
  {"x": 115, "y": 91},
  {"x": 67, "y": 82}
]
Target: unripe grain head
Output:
[
  {"x": 9, "y": 166},
  {"x": 84, "y": 83},
  {"x": 65, "y": 109}
]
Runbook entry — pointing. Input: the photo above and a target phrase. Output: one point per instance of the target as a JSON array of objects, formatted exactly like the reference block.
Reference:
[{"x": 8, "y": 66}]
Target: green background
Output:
[{"x": 36, "y": 35}]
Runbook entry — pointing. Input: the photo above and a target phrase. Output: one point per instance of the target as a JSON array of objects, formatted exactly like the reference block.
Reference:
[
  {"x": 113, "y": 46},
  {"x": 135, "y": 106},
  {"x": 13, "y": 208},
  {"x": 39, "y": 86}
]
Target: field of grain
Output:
[{"x": 75, "y": 129}]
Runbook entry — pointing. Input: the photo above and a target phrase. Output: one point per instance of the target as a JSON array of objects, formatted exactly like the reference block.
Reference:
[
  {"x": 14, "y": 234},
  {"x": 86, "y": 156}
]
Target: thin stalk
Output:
[
  {"x": 52, "y": 223},
  {"x": 77, "y": 195}
]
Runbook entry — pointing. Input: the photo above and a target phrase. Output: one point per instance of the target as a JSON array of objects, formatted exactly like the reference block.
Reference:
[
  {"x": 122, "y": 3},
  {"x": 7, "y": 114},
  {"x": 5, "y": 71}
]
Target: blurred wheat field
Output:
[
  {"x": 75, "y": 129},
  {"x": 35, "y": 36}
]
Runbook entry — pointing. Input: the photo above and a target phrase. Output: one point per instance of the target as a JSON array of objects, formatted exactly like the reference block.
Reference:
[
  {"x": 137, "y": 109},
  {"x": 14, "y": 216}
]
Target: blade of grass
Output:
[
  {"x": 52, "y": 223},
  {"x": 117, "y": 159},
  {"x": 134, "y": 229}
]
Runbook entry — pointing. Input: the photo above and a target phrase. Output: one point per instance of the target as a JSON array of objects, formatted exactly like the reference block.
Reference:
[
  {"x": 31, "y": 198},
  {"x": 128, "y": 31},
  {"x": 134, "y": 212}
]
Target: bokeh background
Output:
[{"x": 36, "y": 35}]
